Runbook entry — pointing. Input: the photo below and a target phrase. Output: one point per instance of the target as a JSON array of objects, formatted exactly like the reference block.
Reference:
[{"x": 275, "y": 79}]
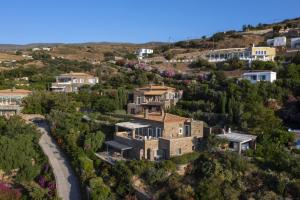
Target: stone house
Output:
[
  {"x": 156, "y": 136},
  {"x": 154, "y": 98}
]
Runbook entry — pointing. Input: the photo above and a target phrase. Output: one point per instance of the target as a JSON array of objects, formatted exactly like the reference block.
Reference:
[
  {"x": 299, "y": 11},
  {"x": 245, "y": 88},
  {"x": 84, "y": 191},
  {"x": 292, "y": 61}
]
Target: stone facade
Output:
[
  {"x": 160, "y": 138},
  {"x": 154, "y": 98}
]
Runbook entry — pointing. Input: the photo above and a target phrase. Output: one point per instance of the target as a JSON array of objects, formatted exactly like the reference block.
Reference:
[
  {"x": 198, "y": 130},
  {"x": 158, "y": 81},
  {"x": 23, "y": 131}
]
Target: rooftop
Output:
[
  {"x": 156, "y": 87},
  {"x": 237, "y": 137},
  {"x": 76, "y": 74},
  {"x": 258, "y": 71},
  {"x": 166, "y": 118},
  {"x": 14, "y": 92},
  {"x": 117, "y": 145},
  {"x": 132, "y": 125}
]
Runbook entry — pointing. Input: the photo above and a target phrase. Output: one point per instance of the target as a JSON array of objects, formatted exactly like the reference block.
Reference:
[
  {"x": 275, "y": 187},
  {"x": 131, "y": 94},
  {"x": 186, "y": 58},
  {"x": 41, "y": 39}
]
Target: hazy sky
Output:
[{"x": 71, "y": 21}]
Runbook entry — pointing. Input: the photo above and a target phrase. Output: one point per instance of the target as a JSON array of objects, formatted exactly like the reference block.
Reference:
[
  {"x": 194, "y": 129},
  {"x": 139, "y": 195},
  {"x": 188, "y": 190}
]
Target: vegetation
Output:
[
  {"x": 81, "y": 122},
  {"x": 23, "y": 163}
]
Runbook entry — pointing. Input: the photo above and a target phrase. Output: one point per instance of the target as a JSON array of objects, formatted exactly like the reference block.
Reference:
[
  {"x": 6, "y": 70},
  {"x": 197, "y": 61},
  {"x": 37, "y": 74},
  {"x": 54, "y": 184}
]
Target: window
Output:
[
  {"x": 187, "y": 130},
  {"x": 139, "y": 100},
  {"x": 265, "y": 52},
  {"x": 158, "y": 132},
  {"x": 253, "y": 77},
  {"x": 150, "y": 132},
  {"x": 132, "y": 111},
  {"x": 178, "y": 152},
  {"x": 180, "y": 131},
  {"x": 263, "y": 77}
]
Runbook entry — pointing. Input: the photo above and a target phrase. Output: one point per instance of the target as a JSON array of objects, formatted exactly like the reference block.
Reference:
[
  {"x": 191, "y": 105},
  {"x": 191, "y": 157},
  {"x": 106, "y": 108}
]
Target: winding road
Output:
[{"x": 67, "y": 184}]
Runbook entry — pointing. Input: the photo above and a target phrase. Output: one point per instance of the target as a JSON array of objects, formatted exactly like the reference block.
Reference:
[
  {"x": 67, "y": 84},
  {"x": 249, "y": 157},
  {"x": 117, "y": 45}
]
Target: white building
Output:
[
  {"x": 143, "y": 53},
  {"x": 247, "y": 54},
  {"x": 238, "y": 142},
  {"x": 46, "y": 49},
  {"x": 277, "y": 42},
  {"x": 295, "y": 43},
  {"x": 256, "y": 76},
  {"x": 36, "y": 49}
]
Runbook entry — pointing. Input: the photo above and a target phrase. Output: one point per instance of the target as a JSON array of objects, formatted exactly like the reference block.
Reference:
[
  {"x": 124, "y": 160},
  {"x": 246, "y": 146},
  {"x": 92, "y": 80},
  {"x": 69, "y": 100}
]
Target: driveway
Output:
[{"x": 67, "y": 184}]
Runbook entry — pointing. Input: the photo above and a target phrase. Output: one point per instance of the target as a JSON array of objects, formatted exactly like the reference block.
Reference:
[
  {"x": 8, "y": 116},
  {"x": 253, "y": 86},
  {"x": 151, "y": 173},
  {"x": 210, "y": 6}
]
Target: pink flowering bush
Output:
[{"x": 8, "y": 193}]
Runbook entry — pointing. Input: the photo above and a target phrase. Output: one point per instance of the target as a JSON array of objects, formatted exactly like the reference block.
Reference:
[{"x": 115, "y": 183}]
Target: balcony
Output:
[{"x": 128, "y": 135}]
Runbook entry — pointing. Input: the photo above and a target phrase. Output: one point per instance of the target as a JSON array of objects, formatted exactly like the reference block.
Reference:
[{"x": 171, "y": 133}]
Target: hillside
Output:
[{"x": 95, "y": 52}]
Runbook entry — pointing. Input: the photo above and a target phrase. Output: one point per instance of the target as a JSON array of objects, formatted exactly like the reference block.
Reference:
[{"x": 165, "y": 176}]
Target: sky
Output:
[{"x": 136, "y": 21}]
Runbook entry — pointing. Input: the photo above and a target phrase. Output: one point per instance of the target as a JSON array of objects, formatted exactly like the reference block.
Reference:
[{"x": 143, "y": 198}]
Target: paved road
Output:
[{"x": 67, "y": 184}]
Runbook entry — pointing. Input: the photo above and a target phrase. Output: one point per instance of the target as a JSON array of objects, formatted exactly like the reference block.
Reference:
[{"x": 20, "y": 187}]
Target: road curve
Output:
[{"x": 67, "y": 184}]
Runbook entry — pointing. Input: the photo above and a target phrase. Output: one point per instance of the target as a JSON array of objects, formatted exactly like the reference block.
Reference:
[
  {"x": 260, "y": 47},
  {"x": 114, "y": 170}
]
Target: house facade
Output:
[
  {"x": 256, "y": 76},
  {"x": 156, "y": 136},
  {"x": 11, "y": 101},
  {"x": 238, "y": 142},
  {"x": 277, "y": 42},
  {"x": 247, "y": 54},
  {"x": 295, "y": 43},
  {"x": 154, "y": 98},
  {"x": 71, "y": 82},
  {"x": 144, "y": 53}
]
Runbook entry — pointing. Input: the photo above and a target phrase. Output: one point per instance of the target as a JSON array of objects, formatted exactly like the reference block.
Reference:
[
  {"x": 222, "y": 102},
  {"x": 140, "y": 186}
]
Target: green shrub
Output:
[{"x": 186, "y": 158}]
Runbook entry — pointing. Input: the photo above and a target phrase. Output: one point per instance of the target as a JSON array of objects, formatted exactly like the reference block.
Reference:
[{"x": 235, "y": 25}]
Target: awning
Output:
[
  {"x": 132, "y": 125},
  {"x": 237, "y": 137},
  {"x": 117, "y": 145}
]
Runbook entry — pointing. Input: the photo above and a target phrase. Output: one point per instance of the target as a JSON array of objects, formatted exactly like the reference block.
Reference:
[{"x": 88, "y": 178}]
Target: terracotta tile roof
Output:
[
  {"x": 15, "y": 92},
  {"x": 155, "y": 92},
  {"x": 157, "y": 87},
  {"x": 167, "y": 118}
]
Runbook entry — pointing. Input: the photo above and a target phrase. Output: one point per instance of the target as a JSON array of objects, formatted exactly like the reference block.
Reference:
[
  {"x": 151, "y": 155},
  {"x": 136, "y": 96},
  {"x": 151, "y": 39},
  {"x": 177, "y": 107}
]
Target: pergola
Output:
[{"x": 135, "y": 127}]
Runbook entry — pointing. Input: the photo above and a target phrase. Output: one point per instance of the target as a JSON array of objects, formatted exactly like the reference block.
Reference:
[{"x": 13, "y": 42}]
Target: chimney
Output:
[
  {"x": 146, "y": 113},
  {"x": 229, "y": 130}
]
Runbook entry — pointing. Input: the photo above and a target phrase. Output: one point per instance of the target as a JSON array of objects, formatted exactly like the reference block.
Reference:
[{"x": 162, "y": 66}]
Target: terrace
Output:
[{"x": 134, "y": 130}]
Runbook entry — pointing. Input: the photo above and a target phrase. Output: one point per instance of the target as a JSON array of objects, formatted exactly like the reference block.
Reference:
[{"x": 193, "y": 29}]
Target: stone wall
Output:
[
  {"x": 197, "y": 128},
  {"x": 186, "y": 145}
]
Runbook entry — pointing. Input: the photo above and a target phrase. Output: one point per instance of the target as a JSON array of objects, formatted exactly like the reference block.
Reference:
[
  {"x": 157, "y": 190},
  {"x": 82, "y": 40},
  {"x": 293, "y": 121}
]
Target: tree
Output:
[
  {"x": 223, "y": 102},
  {"x": 218, "y": 36},
  {"x": 94, "y": 141},
  {"x": 36, "y": 192},
  {"x": 87, "y": 168},
  {"x": 296, "y": 59},
  {"x": 99, "y": 191},
  {"x": 105, "y": 105},
  {"x": 276, "y": 28}
]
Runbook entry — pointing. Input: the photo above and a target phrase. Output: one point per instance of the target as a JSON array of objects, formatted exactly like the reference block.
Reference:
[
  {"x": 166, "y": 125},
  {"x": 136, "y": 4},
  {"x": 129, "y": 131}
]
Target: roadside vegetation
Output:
[{"x": 24, "y": 170}]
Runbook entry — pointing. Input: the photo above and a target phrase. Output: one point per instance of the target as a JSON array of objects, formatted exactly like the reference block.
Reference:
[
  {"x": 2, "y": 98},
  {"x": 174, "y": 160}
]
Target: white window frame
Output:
[
  {"x": 180, "y": 131},
  {"x": 150, "y": 132},
  {"x": 157, "y": 132}
]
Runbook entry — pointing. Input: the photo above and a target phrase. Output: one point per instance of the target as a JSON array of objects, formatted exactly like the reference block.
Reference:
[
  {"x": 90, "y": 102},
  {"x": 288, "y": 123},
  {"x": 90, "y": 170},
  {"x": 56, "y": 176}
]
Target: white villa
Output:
[{"x": 256, "y": 76}]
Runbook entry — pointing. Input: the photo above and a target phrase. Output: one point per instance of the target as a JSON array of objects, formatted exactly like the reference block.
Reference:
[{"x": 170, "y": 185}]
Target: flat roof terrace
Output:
[{"x": 237, "y": 137}]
